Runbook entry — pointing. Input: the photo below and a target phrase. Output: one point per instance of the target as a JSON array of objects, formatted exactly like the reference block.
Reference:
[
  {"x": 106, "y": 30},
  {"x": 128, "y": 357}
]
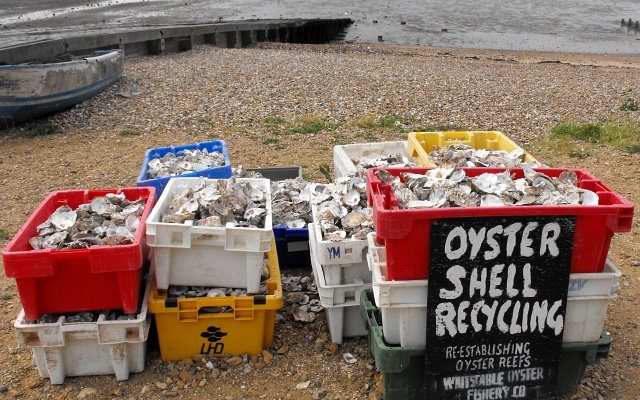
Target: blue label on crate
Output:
[{"x": 496, "y": 306}]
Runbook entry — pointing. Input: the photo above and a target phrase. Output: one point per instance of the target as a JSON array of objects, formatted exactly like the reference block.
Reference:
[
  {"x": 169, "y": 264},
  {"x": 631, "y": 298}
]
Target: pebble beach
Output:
[{"x": 281, "y": 105}]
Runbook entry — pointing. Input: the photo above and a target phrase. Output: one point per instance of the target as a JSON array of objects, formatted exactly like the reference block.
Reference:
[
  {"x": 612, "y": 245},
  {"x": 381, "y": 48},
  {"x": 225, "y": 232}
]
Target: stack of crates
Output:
[
  {"x": 340, "y": 268},
  {"x": 395, "y": 309},
  {"x": 204, "y": 256},
  {"x": 96, "y": 279}
]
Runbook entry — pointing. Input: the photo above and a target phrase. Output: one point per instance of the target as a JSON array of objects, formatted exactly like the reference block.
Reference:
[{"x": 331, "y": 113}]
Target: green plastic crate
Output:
[{"x": 403, "y": 368}]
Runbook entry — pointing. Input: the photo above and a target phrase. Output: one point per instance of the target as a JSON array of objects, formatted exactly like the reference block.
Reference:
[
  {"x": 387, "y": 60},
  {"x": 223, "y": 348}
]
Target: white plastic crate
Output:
[
  {"x": 62, "y": 349},
  {"x": 333, "y": 294},
  {"x": 185, "y": 254},
  {"x": 342, "y": 154},
  {"x": 342, "y": 262},
  {"x": 403, "y": 304},
  {"x": 345, "y": 321},
  {"x": 341, "y": 304}
]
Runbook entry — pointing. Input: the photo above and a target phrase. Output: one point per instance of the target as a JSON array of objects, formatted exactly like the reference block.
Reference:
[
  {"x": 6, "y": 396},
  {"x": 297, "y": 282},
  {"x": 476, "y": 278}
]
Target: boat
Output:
[{"x": 29, "y": 91}]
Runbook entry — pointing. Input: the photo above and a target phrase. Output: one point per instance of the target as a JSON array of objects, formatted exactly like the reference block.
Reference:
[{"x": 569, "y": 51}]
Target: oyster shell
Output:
[
  {"x": 184, "y": 161},
  {"x": 213, "y": 203},
  {"x": 446, "y": 187},
  {"x": 341, "y": 209},
  {"x": 462, "y": 155},
  {"x": 106, "y": 220},
  {"x": 379, "y": 160}
]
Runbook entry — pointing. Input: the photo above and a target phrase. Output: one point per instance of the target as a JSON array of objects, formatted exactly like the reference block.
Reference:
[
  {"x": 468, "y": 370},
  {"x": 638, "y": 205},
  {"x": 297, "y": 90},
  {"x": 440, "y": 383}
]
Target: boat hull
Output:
[{"x": 32, "y": 91}]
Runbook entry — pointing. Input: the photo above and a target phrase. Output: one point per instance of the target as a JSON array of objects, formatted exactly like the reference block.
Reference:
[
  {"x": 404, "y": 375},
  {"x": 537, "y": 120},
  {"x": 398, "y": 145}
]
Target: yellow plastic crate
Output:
[
  {"x": 184, "y": 332},
  {"x": 423, "y": 143}
]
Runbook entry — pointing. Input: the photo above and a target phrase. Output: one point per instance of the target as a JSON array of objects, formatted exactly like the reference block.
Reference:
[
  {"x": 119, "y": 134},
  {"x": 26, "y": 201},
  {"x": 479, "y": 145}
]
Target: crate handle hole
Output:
[
  {"x": 132, "y": 333},
  {"x": 176, "y": 237}
]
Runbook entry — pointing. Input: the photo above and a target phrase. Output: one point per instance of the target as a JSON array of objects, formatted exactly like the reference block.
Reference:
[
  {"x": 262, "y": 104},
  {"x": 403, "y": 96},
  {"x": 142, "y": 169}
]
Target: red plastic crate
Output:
[
  {"x": 53, "y": 281},
  {"x": 406, "y": 233}
]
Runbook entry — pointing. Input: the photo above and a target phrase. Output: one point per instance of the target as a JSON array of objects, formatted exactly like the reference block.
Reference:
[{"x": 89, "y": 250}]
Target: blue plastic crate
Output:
[
  {"x": 293, "y": 246},
  {"x": 222, "y": 172}
]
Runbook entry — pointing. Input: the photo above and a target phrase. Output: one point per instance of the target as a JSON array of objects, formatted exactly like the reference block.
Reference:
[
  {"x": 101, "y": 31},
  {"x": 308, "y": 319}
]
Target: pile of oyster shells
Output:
[
  {"x": 289, "y": 199},
  {"x": 184, "y": 161},
  {"x": 290, "y": 202},
  {"x": 213, "y": 203},
  {"x": 300, "y": 297},
  {"x": 378, "y": 160},
  {"x": 462, "y": 155},
  {"x": 450, "y": 187},
  {"x": 106, "y": 220},
  {"x": 86, "y": 316},
  {"x": 341, "y": 209}
]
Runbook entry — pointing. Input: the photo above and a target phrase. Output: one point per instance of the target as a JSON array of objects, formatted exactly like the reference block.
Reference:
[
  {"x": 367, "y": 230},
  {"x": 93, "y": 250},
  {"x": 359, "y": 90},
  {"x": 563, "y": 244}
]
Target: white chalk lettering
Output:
[
  {"x": 478, "y": 284},
  {"x": 493, "y": 243},
  {"x": 550, "y": 233},
  {"x": 527, "y": 291},
  {"x": 460, "y": 234},
  {"x": 445, "y": 314},
  {"x": 510, "y": 232},
  {"x": 495, "y": 280},
  {"x": 476, "y": 240},
  {"x": 525, "y": 242},
  {"x": 502, "y": 240},
  {"x": 494, "y": 393},
  {"x": 455, "y": 275}
]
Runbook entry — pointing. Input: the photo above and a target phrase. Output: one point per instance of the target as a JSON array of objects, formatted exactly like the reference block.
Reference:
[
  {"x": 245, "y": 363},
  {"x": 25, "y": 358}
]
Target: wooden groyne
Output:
[{"x": 170, "y": 39}]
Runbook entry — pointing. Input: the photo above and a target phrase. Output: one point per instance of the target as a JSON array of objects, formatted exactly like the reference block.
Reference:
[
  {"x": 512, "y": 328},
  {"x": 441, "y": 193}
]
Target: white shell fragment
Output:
[
  {"x": 462, "y": 155},
  {"x": 379, "y": 160},
  {"x": 214, "y": 204},
  {"x": 444, "y": 187},
  {"x": 341, "y": 209},
  {"x": 106, "y": 220},
  {"x": 184, "y": 161}
]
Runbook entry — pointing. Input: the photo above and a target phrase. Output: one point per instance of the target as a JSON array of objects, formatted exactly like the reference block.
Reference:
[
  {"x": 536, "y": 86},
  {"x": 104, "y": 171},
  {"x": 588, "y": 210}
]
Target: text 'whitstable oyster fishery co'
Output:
[
  {"x": 106, "y": 220},
  {"x": 184, "y": 161},
  {"x": 451, "y": 187},
  {"x": 341, "y": 209},
  {"x": 462, "y": 155},
  {"x": 218, "y": 203}
]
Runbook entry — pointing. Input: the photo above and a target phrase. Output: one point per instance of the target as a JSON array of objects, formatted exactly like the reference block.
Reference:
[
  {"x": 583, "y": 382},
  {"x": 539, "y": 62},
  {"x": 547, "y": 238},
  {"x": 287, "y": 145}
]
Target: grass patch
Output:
[
  {"x": 340, "y": 139},
  {"x": 309, "y": 124},
  {"x": 622, "y": 136},
  {"x": 584, "y": 132},
  {"x": 205, "y": 120},
  {"x": 130, "y": 132},
  {"x": 271, "y": 141},
  {"x": 439, "y": 128},
  {"x": 580, "y": 153},
  {"x": 41, "y": 129},
  {"x": 368, "y": 121},
  {"x": 630, "y": 105},
  {"x": 4, "y": 235},
  {"x": 393, "y": 122},
  {"x": 634, "y": 149},
  {"x": 325, "y": 170},
  {"x": 273, "y": 120}
]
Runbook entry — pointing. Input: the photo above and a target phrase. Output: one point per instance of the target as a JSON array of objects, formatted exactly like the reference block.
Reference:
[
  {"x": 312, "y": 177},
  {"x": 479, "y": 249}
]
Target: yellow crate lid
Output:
[{"x": 422, "y": 143}]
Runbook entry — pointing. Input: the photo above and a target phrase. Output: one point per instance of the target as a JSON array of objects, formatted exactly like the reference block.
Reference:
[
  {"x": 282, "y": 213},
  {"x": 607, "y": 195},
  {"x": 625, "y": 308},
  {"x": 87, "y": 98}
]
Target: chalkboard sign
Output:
[{"x": 496, "y": 306}]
